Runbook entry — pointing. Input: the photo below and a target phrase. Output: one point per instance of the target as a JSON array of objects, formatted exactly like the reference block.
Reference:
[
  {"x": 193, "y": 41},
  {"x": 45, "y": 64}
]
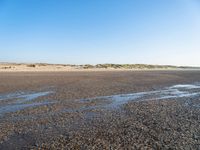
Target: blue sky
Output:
[{"x": 100, "y": 31}]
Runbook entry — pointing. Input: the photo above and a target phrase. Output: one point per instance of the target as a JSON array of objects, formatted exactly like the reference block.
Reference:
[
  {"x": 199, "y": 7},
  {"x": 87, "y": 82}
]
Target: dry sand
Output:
[
  {"x": 12, "y": 67},
  {"x": 34, "y": 67}
]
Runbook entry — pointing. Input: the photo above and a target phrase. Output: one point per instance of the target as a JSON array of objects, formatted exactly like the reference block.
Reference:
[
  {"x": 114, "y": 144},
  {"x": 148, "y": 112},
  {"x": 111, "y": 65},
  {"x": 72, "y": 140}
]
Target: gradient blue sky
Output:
[{"x": 100, "y": 31}]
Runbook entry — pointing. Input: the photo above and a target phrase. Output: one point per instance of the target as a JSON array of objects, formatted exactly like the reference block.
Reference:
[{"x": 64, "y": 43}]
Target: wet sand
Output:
[{"x": 100, "y": 110}]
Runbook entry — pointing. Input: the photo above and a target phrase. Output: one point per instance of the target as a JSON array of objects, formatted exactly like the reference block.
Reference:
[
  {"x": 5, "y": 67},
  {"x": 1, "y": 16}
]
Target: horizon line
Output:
[{"x": 99, "y": 64}]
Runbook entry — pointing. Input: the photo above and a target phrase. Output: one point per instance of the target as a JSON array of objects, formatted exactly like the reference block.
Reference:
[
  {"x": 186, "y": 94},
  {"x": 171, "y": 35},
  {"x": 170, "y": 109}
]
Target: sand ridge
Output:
[{"x": 43, "y": 67}]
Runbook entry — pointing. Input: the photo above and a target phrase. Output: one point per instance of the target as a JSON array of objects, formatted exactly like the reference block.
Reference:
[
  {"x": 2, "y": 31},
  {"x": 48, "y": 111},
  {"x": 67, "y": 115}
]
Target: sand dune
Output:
[{"x": 12, "y": 67}]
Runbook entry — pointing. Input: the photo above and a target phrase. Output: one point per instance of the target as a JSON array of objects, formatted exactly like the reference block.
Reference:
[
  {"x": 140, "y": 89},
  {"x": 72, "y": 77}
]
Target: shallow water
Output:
[
  {"x": 186, "y": 86},
  {"x": 172, "y": 92},
  {"x": 17, "y": 107},
  {"x": 17, "y": 101},
  {"x": 23, "y": 96},
  {"x": 13, "y": 102}
]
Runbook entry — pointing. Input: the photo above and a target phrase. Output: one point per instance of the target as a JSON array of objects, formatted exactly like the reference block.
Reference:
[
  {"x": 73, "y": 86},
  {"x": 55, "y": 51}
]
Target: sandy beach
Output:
[
  {"x": 100, "y": 110},
  {"x": 99, "y": 75},
  {"x": 42, "y": 67}
]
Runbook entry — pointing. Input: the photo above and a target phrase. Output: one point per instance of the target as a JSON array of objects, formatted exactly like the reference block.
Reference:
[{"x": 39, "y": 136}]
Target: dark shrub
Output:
[{"x": 31, "y": 65}]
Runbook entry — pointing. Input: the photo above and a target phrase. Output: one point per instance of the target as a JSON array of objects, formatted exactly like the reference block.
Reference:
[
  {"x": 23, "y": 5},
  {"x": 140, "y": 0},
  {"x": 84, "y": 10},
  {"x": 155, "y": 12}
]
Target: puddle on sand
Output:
[
  {"x": 176, "y": 91},
  {"x": 185, "y": 86},
  {"x": 18, "y": 101},
  {"x": 17, "y": 107},
  {"x": 115, "y": 101},
  {"x": 30, "y": 97},
  {"x": 23, "y": 97}
]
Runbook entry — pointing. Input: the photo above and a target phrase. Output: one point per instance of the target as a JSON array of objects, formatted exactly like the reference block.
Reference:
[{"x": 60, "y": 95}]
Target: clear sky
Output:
[{"x": 100, "y": 31}]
